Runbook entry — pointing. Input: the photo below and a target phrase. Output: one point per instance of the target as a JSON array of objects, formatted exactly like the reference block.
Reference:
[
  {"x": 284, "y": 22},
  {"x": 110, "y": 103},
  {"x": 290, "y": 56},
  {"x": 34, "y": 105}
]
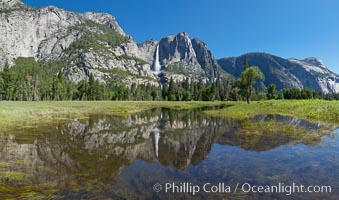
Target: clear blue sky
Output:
[{"x": 287, "y": 28}]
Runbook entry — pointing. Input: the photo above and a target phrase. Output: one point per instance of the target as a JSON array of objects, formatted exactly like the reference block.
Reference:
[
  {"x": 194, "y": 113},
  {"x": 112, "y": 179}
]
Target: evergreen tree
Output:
[
  {"x": 154, "y": 95},
  {"x": 8, "y": 86},
  {"x": 91, "y": 88},
  {"x": 171, "y": 90},
  {"x": 82, "y": 90},
  {"x": 280, "y": 95},
  {"x": 271, "y": 91},
  {"x": 246, "y": 62},
  {"x": 195, "y": 91},
  {"x": 61, "y": 90},
  {"x": 164, "y": 91},
  {"x": 98, "y": 91},
  {"x": 2, "y": 87}
]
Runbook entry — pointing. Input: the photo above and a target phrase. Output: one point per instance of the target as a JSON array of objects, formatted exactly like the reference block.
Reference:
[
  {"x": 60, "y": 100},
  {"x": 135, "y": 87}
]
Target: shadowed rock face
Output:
[
  {"x": 286, "y": 73},
  {"x": 206, "y": 59}
]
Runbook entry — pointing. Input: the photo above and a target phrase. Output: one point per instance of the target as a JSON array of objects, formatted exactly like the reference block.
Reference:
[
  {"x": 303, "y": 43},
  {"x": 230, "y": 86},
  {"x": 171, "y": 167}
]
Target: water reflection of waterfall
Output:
[
  {"x": 156, "y": 133},
  {"x": 121, "y": 151},
  {"x": 157, "y": 66}
]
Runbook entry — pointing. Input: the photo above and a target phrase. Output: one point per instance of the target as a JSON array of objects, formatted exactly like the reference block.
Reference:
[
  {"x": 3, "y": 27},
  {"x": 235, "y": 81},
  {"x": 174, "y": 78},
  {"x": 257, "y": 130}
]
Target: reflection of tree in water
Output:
[
  {"x": 265, "y": 132},
  {"x": 92, "y": 152}
]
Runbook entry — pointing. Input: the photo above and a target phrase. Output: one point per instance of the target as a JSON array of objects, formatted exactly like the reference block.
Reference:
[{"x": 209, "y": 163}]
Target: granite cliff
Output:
[
  {"x": 95, "y": 43},
  {"x": 286, "y": 73}
]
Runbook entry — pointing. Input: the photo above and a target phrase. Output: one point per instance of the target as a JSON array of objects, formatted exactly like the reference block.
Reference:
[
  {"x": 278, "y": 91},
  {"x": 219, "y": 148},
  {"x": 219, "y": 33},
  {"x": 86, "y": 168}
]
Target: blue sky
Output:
[{"x": 287, "y": 28}]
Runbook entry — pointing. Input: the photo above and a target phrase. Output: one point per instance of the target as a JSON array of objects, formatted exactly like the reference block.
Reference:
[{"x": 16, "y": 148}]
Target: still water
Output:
[{"x": 173, "y": 152}]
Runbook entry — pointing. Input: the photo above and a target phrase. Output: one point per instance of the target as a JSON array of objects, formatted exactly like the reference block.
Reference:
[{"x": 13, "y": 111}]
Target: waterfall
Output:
[
  {"x": 156, "y": 140},
  {"x": 157, "y": 66}
]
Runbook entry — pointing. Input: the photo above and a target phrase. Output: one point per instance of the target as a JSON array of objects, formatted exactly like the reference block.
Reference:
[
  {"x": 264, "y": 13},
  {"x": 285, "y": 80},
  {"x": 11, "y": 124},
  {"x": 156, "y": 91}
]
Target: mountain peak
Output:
[
  {"x": 178, "y": 35},
  {"x": 183, "y": 34},
  {"x": 10, "y": 4},
  {"x": 150, "y": 41},
  {"x": 257, "y": 54},
  {"x": 315, "y": 61}
]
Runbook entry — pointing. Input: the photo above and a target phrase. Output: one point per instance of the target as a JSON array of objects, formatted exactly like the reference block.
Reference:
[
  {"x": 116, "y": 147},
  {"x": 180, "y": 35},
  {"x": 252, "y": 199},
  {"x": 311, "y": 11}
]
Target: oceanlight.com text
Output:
[{"x": 287, "y": 189}]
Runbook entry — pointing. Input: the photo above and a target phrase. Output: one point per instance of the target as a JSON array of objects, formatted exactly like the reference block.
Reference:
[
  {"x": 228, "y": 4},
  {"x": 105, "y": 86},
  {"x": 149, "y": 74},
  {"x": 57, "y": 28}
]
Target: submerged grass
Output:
[
  {"x": 13, "y": 175},
  {"x": 311, "y": 110},
  {"x": 271, "y": 128},
  {"x": 13, "y": 113}
]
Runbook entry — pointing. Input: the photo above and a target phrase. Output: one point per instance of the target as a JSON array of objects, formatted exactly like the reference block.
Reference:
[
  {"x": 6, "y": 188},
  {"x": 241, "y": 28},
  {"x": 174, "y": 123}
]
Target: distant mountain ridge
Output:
[
  {"x": 94, "y": 43},
  {"x": 286, "y": 73}
]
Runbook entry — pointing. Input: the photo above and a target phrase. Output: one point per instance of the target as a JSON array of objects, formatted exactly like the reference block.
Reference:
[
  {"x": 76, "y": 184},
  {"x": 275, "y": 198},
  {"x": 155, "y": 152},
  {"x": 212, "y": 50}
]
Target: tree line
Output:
[{"x": 29, "y": 80}]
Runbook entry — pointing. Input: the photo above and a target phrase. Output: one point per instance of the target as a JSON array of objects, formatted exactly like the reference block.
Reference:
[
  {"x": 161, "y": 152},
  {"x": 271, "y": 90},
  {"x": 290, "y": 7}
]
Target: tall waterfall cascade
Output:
[
  {"x": 156, "y": 141},
  {"x": 156, "y": 65}
]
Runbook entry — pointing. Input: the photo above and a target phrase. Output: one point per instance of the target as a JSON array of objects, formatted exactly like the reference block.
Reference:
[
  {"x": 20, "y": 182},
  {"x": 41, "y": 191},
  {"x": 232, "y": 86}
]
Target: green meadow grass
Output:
[
  {"x": 311, "y": 110},
  {"x": 22, "y": 112},
  {"x": 14, "y": 113}
]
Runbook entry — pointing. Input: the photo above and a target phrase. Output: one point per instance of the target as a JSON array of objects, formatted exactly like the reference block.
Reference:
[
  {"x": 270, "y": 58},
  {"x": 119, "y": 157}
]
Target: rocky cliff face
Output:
[
  {"x": 11, "y": 5},
  {"x": 287, "y": 73},
  {"x": 94, "y": 43},
  {"x": 88, "y": 42},
  {"x": 178, "y": 56},
  {"x": 205, "y": 58},
  {"x": 91, "y": 43},
  {"x": 181, "y": 57},
  {"x": 44, "y": 32},
  {"x": 147, "y": 50},
  {"x": 314, "y": 74}
]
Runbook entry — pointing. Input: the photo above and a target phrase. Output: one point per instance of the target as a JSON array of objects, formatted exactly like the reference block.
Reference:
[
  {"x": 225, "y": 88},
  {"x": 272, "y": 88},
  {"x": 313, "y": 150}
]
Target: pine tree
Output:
[
  {"x": 61, "y": 87},
  {"x": 164, "y": 91},
  {"x": 2, "y": 87},
  {"x": 82, "y": 90},
  {"x": 154, "y": 95},
  {"x": 271, "y": 91},
  {"x": 246, "y": 63},
  {"x": 98, "y": 91},
  {"x": 91, "y": 88},
  {"x": 171, "y": 90},
  {"x": 7, "y": 81}
]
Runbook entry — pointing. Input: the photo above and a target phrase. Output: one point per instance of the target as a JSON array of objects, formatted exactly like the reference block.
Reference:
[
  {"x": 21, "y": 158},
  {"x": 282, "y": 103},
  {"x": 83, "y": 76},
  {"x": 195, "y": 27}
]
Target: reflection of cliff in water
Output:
[
  {"x": 167, "y": 136},
  {"x": 97, "y": 149},
  {"x": 265, "y": 132}
]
